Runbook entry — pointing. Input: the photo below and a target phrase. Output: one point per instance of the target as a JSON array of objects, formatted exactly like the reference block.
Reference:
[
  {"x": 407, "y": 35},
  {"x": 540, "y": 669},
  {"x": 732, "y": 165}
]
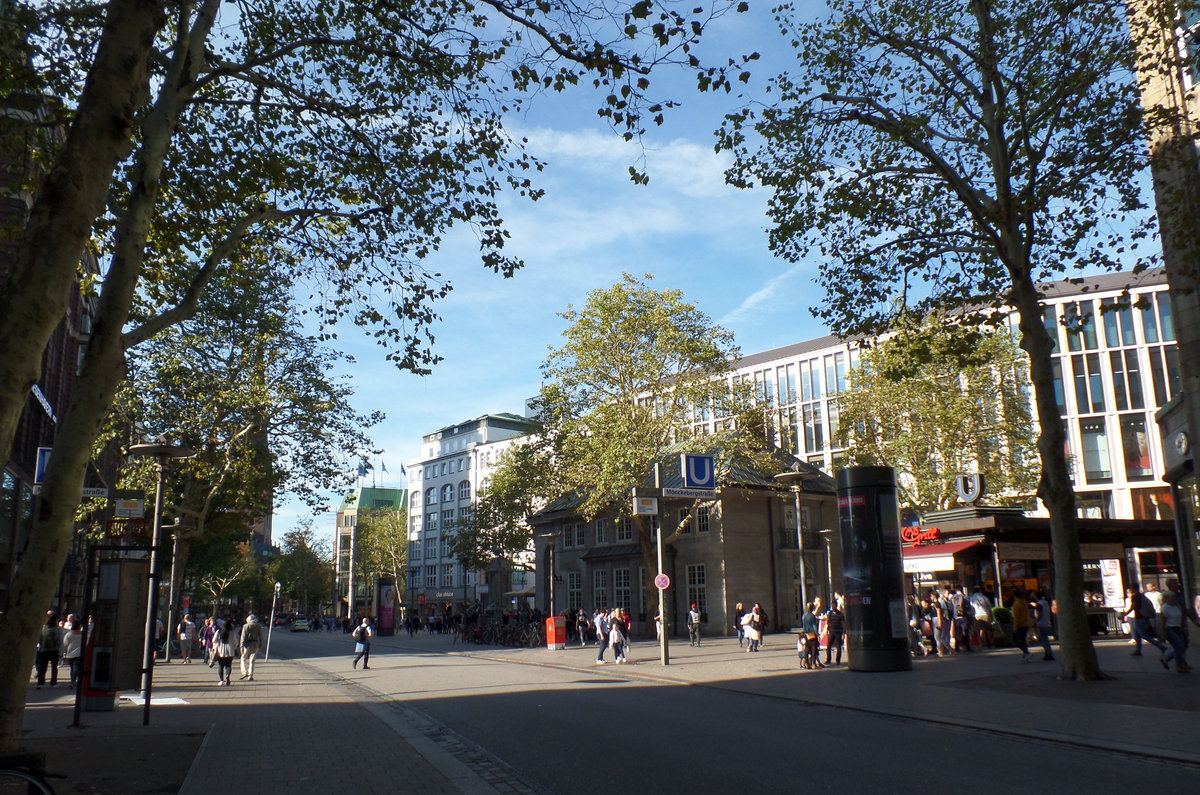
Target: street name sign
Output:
[{"x": 695, "y": 494}]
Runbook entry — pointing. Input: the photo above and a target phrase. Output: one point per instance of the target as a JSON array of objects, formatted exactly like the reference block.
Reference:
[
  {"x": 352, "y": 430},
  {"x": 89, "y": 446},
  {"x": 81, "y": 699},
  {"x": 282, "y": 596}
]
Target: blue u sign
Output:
[{"x": 698, "y": 471}]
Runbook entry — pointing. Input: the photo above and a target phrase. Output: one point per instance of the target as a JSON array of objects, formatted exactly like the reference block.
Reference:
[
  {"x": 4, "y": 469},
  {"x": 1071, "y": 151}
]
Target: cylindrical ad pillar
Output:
[{"x": 873, "y": 571}]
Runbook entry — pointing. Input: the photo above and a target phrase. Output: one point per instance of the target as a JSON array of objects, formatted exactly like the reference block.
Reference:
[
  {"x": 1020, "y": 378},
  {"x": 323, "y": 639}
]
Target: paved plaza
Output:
[{"x": 309, "y": 723}]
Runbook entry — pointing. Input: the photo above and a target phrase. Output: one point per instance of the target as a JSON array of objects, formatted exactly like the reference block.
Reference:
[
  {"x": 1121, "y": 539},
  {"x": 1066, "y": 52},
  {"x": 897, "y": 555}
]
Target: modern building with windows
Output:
[
  {"x": 457, "y": 462},
  {"x": 1116, "y": 364},
  {"x": 355, "y": 595}
]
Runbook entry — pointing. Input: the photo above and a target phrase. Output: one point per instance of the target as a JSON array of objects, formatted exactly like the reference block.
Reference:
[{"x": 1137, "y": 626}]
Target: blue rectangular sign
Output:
[
  {"x": 698, "y": 471},
  {"x": 43, "y": 461}
]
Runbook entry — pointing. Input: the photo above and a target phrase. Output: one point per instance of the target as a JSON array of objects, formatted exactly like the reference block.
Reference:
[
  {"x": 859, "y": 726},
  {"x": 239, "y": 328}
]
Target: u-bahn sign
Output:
[{"x": 698, "y": 471}]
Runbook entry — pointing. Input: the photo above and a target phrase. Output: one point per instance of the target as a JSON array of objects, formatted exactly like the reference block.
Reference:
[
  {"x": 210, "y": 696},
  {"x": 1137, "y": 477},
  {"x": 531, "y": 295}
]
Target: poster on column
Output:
[
  {"x": 1112, "y": 583},
  {"x": 385, "y": 591}
]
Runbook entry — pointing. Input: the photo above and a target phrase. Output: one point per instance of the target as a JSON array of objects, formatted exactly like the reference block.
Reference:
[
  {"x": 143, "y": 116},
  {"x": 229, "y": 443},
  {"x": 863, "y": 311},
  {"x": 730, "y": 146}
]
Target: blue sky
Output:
[{"x": 686, "y": 228}]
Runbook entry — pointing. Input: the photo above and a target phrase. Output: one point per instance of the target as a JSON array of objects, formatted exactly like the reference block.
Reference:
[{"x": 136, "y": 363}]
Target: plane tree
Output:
[
  {"x": 946, "y": 154},
  {"x": 348, "y": 138}
]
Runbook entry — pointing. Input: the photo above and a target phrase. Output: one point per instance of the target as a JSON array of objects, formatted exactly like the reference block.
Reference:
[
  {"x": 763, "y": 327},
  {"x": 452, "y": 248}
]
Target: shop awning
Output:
[{"x": 934, "y": 557}]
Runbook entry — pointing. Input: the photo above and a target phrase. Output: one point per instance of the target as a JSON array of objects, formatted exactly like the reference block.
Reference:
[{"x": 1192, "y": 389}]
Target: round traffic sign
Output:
[{"x": 662, "y": 582}]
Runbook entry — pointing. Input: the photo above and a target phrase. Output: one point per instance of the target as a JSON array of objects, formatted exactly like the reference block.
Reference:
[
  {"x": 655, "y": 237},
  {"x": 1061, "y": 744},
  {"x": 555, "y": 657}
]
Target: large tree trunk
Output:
[
  {"x": 1077, "y": 655},
  {"x": 34, "y": 301},
  {"x": 71, "y": 196}
]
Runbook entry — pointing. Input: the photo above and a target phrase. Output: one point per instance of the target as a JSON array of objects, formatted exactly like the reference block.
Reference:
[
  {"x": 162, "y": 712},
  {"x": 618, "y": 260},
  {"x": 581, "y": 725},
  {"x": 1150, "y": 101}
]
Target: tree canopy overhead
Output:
[
  {"x": 939, "y": 400},
  {"x": 947, "y": 154},
  {"x": 341, "y": 141}
]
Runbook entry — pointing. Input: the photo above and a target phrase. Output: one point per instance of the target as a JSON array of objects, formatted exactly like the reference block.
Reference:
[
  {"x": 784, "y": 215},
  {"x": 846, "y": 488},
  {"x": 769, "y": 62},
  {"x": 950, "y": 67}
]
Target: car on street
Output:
[{"x": 301, "y": 625}]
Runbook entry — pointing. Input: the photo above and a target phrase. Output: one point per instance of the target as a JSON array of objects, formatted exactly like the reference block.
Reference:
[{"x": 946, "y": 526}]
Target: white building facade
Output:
[
  {"x": 1112, "y": 375},
  {"x": 457, "y": 461}
]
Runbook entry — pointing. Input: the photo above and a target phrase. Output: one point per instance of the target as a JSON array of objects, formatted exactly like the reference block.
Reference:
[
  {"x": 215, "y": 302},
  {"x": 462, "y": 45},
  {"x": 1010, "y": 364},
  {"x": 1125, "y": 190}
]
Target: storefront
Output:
[{"x": 999, "y": 550}]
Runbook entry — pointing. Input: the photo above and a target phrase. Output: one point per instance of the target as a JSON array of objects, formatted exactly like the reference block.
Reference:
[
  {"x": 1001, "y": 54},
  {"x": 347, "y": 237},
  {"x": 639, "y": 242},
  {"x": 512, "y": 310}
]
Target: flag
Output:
[
  {"x": 383, "y": 466},
  {"x": 402, "y": 472},
  {"x": 362, "y": 471}
]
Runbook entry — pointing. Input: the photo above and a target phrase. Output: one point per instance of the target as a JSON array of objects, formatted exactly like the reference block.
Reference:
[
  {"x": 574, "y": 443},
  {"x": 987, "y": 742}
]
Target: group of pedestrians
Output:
[
  {"x": 954, "y": 623},
  {"x": 60, "y": 642},
  {"x": 750, "y": 626},
  {"x": 808, "y": 642},
  {"x": 612, "y": 630},
  {"x": 1155, "y": 615},
  {"x": 221, "y": 640}
]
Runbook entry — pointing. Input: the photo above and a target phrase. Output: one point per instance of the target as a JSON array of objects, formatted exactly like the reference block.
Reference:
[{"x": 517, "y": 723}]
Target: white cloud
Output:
[{"x": 770, "y": 295}]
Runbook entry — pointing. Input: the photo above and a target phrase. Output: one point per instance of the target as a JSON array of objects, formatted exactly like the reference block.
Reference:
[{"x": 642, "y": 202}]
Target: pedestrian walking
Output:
[
  {"x": 72, "y": 650},
  {"x": 739, "y": 610},
  {"x": 981, "y": 607},
  {"x": 806, "y": 643},
  {"x": 945, "y": 621},
  {"x": 601, "y": 624},
  {"x": 616, "y": 639},
  {"x": 583, "y": 627},
  {"x": 752, "y": 632},
  {"x": 1022, "y": 621},
  {"x": 185, "y": 633},
  {"x": 1139, "y": 612},
  {"x": 835, "y": 625},
  {"x": 250, "y": 643},
  {"x": 223, "y": 651},
  {"x": 207, "y": 633},
  {"x": 694, "y": 618},
  {"x": 1042, "y": 616},
  {"x": 1172, "y": 627},
  {"x": 362, "y": 644},
  {"x": 48, "y": 649}
]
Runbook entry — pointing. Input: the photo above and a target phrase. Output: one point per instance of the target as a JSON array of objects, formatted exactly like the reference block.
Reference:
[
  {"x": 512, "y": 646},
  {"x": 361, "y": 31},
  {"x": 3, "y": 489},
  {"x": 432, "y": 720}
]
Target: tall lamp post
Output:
[
  {"x": 271, "y": 621},
  {"x": 794, "y": 479},
  {"x": 161, "y": 453},
  {"x": 177, "y": 531}
]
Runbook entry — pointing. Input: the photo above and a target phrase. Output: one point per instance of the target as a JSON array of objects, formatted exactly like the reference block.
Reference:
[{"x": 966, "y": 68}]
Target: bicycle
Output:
[{"x": 26, "y": 778}]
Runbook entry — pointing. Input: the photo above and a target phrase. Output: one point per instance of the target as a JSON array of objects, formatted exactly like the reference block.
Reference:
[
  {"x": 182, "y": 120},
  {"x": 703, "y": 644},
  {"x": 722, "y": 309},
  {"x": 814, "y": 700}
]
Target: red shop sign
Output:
[{"x": 920, "y": 535}]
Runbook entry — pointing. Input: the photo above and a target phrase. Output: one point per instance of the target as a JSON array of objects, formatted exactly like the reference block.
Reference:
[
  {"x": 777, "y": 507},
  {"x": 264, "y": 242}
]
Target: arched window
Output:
[
  {"x": 464, "y": 490},
  {"x": 448, "y": 492},
  {"x": 431, "y": 495}
]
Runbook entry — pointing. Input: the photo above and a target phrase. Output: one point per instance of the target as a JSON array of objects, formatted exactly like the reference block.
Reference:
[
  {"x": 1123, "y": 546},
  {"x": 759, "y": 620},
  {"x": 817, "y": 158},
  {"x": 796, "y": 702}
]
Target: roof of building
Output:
[
  {"x": 374, "y": 498},
  {"x": 737, "y": 470},
  {"x": 503, "y": 420},
  {"x": 1064, "y": 288}
]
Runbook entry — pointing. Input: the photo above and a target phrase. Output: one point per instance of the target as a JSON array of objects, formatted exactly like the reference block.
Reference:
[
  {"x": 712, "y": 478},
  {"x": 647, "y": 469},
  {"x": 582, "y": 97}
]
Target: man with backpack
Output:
[
  {"x": 1138, "y": 612},
  {"x": 362, "y": 643},
  {"x": 251, "y": 642}
]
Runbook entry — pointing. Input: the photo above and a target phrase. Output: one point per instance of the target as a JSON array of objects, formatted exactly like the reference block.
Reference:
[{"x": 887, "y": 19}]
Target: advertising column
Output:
[
  {"x": 385, "y": 607},
  {"x": 876, "y": 622}
]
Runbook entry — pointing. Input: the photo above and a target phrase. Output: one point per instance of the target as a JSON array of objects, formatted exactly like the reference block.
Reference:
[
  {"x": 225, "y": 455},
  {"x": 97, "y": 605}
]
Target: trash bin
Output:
[{"x": 556, "y": 633}]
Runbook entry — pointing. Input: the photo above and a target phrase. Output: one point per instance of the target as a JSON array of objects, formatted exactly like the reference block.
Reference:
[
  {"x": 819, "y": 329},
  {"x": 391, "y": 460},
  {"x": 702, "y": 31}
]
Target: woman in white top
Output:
[
  {"x": 72, "y": 649},
  {"x": 1170, "y": 624}
]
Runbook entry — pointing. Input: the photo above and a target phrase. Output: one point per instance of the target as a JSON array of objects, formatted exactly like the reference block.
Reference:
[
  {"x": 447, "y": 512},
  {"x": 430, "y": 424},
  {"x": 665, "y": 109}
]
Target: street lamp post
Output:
[
  {"x": 161, "y": 454},
  {"x": 177, "y": 530},
  {"x": 271, "y": 621},
  {"x": 795, "y": 479}
]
